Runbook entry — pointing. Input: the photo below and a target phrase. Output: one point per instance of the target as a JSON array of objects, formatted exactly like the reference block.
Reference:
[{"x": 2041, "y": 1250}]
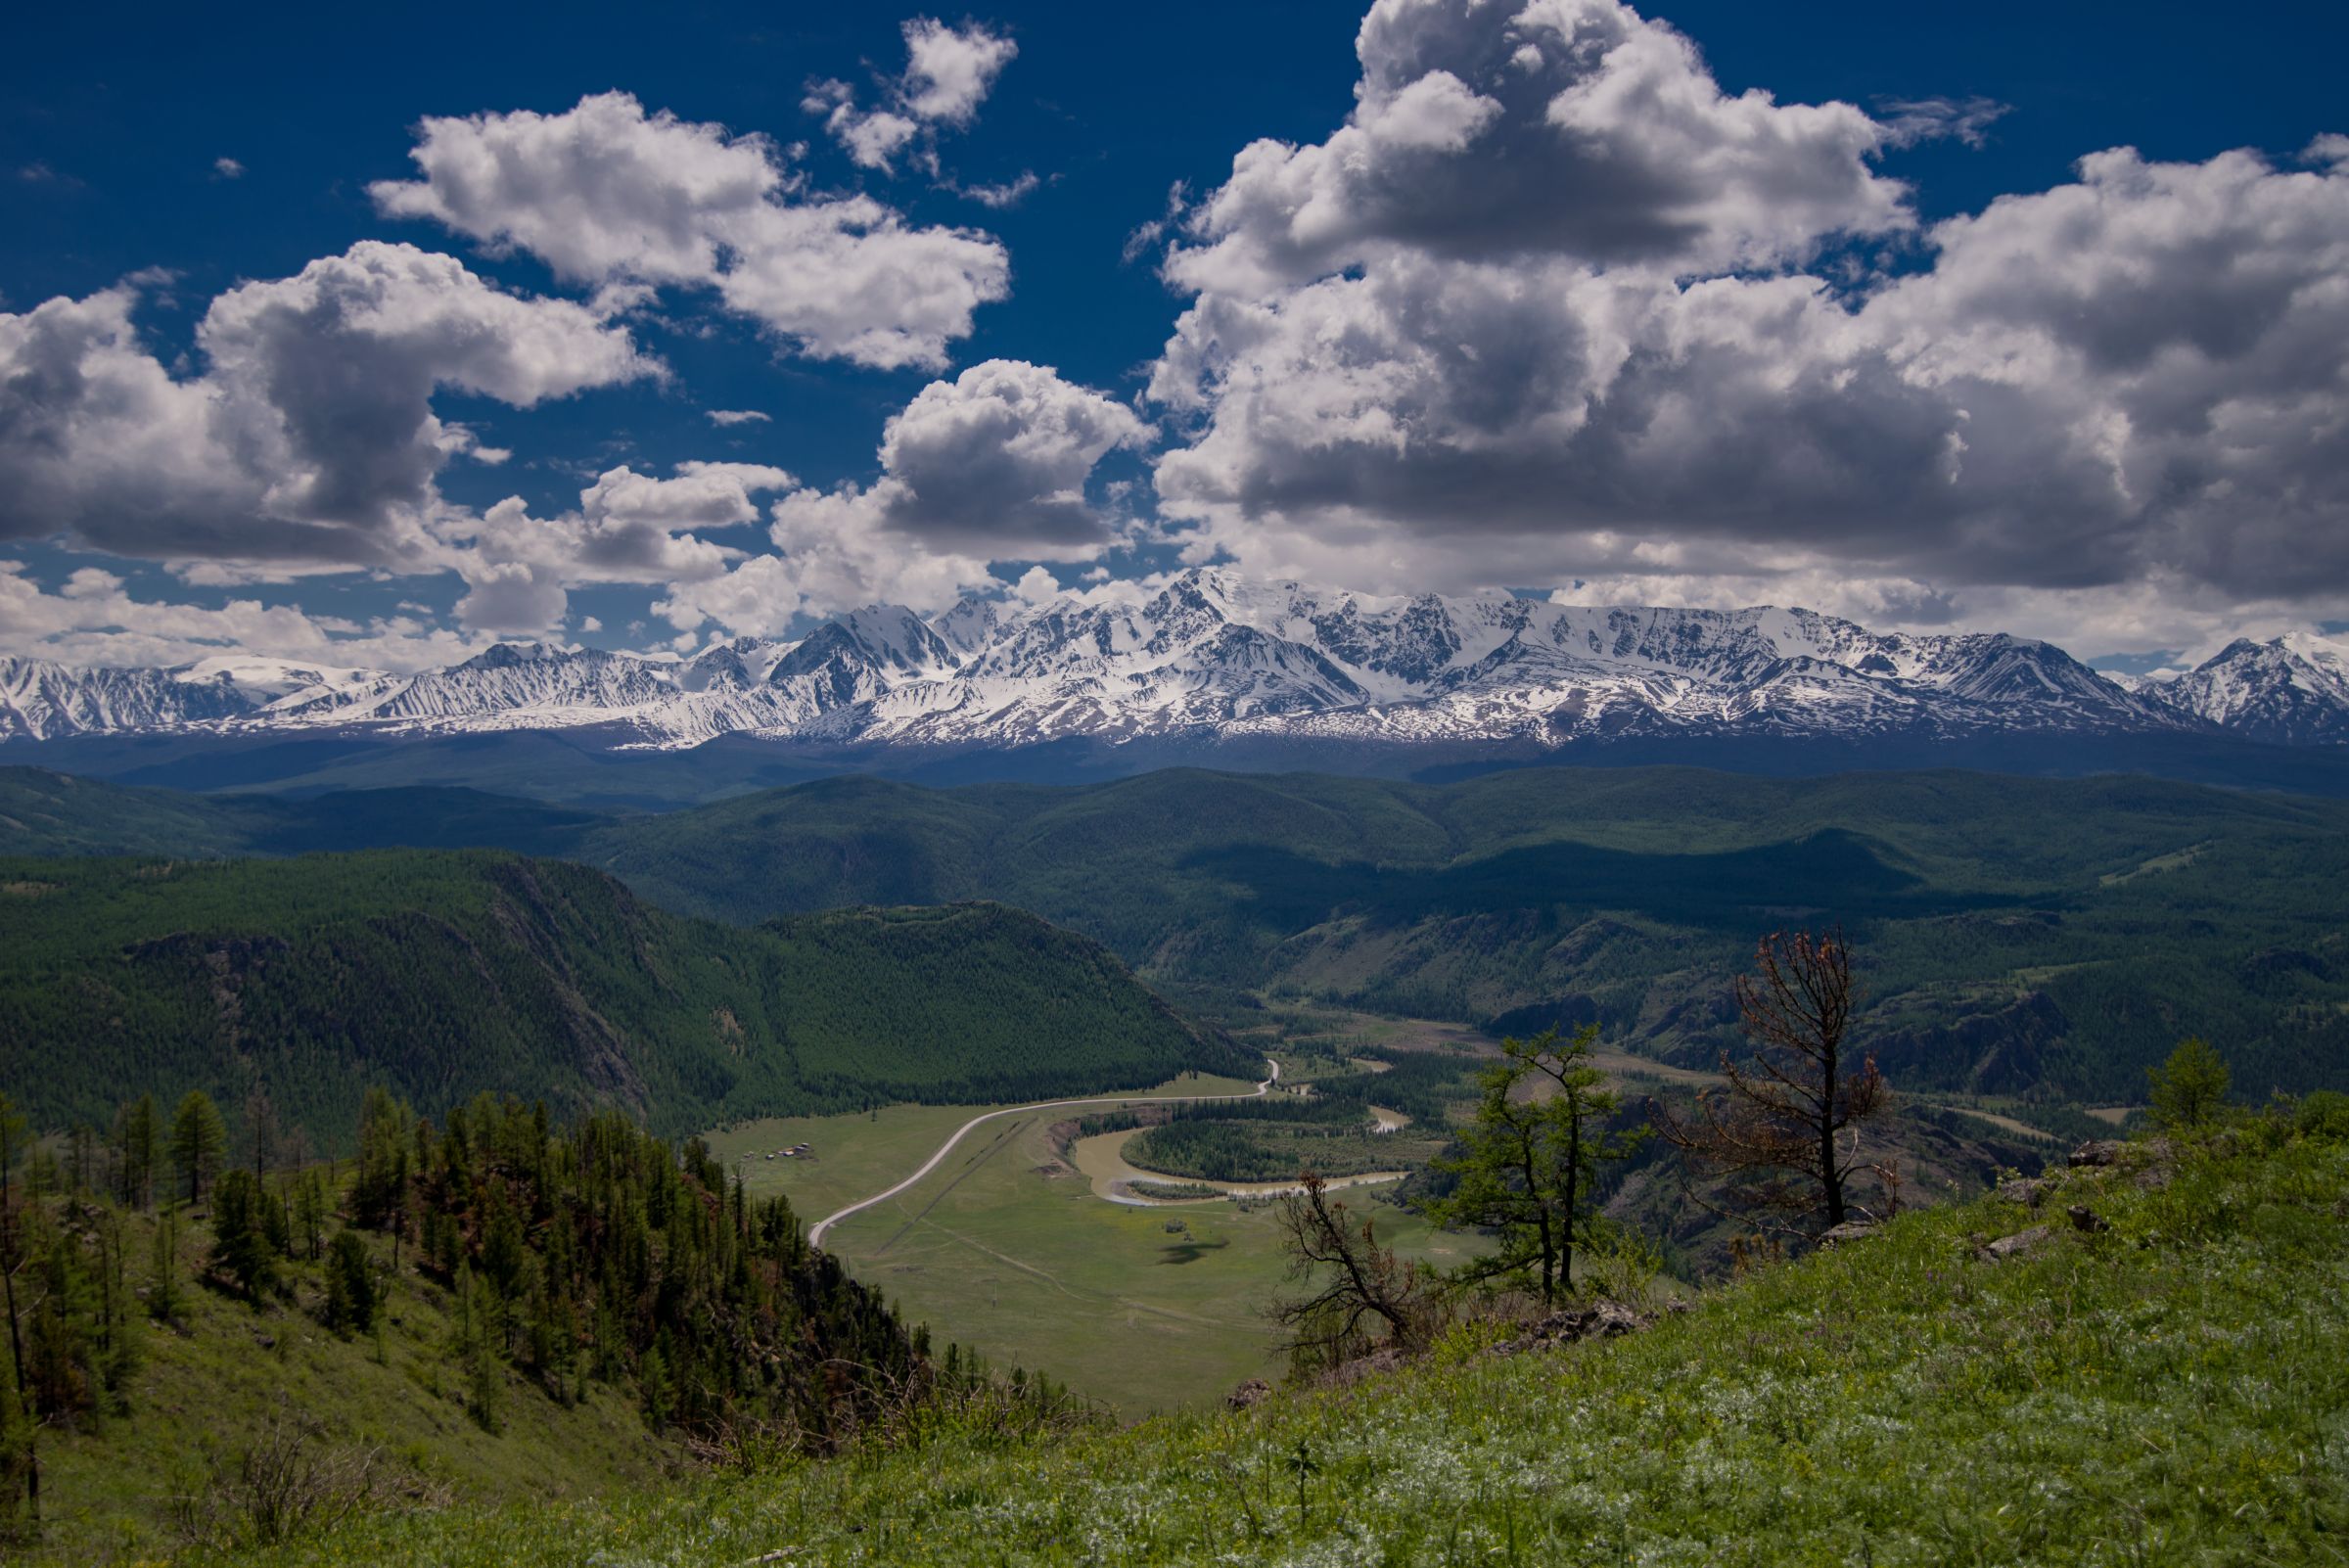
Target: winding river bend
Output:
[{"x": 816, "y": 1231}]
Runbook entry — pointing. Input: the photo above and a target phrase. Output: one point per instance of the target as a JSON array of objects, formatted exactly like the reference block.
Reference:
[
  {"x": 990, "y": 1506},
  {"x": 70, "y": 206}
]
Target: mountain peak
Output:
[{"x": 1210, "y": 654}]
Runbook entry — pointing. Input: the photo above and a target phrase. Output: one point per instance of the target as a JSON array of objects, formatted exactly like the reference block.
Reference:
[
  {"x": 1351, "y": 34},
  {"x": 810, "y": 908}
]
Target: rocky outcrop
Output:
[
  {"x": 2021, "y": 1243},
  {"x": 1601, "y": 1319}
]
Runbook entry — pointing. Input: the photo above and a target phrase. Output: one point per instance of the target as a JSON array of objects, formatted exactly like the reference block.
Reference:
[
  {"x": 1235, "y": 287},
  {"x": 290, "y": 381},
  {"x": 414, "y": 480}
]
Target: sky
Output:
[{"x": 366, "y": 342}]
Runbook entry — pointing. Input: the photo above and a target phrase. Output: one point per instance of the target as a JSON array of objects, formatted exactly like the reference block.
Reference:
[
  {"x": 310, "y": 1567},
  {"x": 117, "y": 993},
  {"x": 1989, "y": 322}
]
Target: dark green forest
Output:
[
  {"x": 440, "y": 975},
  {"x": 2046, "y": 937}
]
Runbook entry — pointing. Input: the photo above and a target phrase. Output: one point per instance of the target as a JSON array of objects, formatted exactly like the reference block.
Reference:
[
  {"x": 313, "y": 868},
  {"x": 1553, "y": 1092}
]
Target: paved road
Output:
[{"x": 815, "y": 1233}]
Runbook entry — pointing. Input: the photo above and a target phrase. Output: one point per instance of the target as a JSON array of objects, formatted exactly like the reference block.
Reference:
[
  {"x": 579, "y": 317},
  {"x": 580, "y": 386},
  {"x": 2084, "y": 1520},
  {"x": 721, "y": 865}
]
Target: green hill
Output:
[
  {"x": 2167, "y": 1390},
  {"x": 442, "y": 974},
  {"x": 2020, "y": 937},
  {"x": 2018, "y": 934},
  {"x": 42, "y": 812},
  {"x": 492, "y": 1310}
]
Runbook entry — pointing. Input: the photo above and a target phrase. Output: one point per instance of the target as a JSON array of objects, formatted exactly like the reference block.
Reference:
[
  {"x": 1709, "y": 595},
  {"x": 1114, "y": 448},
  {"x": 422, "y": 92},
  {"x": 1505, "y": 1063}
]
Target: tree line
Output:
[{"x": 595, "y": 1253}]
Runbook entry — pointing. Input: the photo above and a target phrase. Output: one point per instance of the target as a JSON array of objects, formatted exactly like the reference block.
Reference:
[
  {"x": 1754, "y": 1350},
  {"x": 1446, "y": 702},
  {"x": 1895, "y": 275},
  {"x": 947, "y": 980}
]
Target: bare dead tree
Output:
[
  {"x": 1786, "y": 1130},
  {"x": 1350, "y": 1280}
]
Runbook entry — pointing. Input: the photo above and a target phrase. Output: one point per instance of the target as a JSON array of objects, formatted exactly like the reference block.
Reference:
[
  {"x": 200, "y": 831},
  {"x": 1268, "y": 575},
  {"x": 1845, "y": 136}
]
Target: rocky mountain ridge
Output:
[{"x": 1214, "y": 655}]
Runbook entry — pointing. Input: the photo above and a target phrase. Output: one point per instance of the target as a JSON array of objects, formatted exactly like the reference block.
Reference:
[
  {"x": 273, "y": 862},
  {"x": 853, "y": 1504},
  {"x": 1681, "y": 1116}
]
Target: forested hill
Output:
[
  {"x": 442, "y": 974},
  {"x": 45, "y": 812},
  {"x": 2016, "y": 935}
]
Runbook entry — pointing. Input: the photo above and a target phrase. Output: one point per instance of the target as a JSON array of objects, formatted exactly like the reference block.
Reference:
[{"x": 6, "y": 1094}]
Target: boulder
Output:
[
  {"x": 1249, "y": 1395},
  {"x": 2087, "y": 1218},
  {"x": 2027, "y": 1191},
  {"x": 1849, "y": 1230},
  {"x": 2021, "y": 1242},
  {"x": 2096, "y": 1151}
]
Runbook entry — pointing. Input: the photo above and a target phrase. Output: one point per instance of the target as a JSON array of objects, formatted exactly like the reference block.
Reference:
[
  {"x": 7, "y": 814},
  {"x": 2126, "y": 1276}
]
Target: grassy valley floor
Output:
[
  {"x": 1008, "y": 1251},
  {"x": 2172, "y": 1390}
]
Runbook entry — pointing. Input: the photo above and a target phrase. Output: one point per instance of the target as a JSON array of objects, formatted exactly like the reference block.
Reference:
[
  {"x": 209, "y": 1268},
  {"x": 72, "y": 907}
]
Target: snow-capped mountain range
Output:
[{"x": 1212, "y": 655}]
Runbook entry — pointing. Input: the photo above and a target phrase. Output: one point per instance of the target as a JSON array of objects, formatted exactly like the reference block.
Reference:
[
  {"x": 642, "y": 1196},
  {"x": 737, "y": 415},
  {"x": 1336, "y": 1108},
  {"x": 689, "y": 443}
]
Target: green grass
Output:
[
  {"x": 858, "y": 1154},
  {"x": 210, "y": 1382},
  {"x": 2172, "y": 1391}
]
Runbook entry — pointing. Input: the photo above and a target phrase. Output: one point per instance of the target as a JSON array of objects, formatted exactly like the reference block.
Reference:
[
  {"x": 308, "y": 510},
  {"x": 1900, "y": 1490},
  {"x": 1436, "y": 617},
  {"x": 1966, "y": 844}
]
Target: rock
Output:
[
  {"x": 2021, "y": 1242},
  {"x": 1249, "y": 1395},
  {"x": 2087, "y": 1218},
  {"x": 2025, "y": 1190},
  {"x": 2096, "y": 1151},
  {"x": 1601, "y": 1319},
  {"x": 1849, "y": 1230}
]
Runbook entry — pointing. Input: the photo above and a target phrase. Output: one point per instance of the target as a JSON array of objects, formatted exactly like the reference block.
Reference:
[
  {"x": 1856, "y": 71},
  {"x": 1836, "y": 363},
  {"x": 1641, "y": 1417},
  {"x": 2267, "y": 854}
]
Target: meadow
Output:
[{"x": 1008, "y": 1251}]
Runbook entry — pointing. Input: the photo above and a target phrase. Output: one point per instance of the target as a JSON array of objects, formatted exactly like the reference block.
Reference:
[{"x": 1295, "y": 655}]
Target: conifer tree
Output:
[
  {"x": 137, "y": 1146},
  {"x": 1530, "y": 1160},
  {"x": 1786, "y": 1130},
  {"x": 240, "y": 1238},
  {"x": 350, "y": 1285},
  {"x": 13, "y": 1132},
  {"x": 198, "y": 1141},
  {"x": 162, "y": 1287},
  {"x": 2190, "y": 1089}
]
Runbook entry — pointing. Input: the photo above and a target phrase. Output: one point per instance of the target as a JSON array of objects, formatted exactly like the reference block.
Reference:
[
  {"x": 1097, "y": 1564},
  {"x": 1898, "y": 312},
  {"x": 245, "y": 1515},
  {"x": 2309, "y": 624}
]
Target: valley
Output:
[
  {"x": 857, "y": 991},
  {"x": 1141, "y": 1309}
]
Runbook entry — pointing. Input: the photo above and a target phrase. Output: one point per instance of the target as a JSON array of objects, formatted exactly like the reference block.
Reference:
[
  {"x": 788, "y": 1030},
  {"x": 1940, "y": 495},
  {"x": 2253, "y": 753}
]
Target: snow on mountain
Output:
[
  {"x": 1210, "y": 654},
  {"x": 41, "y": 700},
  {"x": 2293, "y": 691}
]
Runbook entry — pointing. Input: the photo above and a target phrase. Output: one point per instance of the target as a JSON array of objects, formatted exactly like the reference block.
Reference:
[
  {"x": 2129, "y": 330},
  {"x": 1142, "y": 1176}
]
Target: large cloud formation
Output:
[
  {"x": 992, "y": 466},
  {"x": 609, "y": 196},
  {"x": 1550, "y": 294},
  {"x": 308, "y": 440}
]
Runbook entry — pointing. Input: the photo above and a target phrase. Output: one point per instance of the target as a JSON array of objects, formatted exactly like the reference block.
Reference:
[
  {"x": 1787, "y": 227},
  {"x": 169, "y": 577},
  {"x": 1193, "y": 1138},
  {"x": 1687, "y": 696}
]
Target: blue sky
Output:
[{"x": 1290, "y": 454}]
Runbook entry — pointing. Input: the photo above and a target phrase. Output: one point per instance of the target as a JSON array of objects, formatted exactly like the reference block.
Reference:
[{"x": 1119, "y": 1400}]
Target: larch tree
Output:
[
  {"x": 2190, "y": 1089},
  {"x": 1783, "y": 1131},
  {"x": 1531, "y": 1158},
  {"x": 199, "y": 1140}
]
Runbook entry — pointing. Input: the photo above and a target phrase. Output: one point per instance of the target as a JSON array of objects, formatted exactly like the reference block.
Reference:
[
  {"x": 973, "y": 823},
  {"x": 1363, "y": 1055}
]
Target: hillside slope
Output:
[
  {"x": 439, "y": 975},
  {"x": 2048, "y": 936},
  {"x": 45, "y": 812},
  {"x": 2166, "y": 1390},
  {"x": 2017, "y": 933}
]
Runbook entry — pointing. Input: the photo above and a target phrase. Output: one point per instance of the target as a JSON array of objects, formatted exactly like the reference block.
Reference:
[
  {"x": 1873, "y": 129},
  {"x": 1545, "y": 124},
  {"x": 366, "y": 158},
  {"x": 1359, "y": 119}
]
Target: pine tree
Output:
[
  {"x": 240, "y": 1240},
  {"x": 137, "y": 1141},
  {"x": 163, "y": 1295},
  {"x": 349, "y": 1284},
  {"x": 12, "y": 1259},
  {"x": 198, "y": 1141}
]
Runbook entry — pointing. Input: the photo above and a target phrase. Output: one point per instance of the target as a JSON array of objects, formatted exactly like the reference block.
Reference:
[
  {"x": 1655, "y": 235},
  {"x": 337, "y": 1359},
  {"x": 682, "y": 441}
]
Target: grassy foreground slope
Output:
[
  {"x": 2172, "y": 1390},
  {"x": 442, "y": 974}
]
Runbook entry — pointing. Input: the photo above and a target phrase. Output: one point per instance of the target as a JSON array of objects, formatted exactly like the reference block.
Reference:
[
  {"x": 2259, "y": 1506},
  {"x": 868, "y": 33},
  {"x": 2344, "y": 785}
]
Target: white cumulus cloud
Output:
[
  {"x": 608, "y": 195},
  {"x": 1546, "y": 310},
  {"x": 308, "y": 437},
  {"x": 949, "y": 72},
  {"x": 992, "y": 466}
]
